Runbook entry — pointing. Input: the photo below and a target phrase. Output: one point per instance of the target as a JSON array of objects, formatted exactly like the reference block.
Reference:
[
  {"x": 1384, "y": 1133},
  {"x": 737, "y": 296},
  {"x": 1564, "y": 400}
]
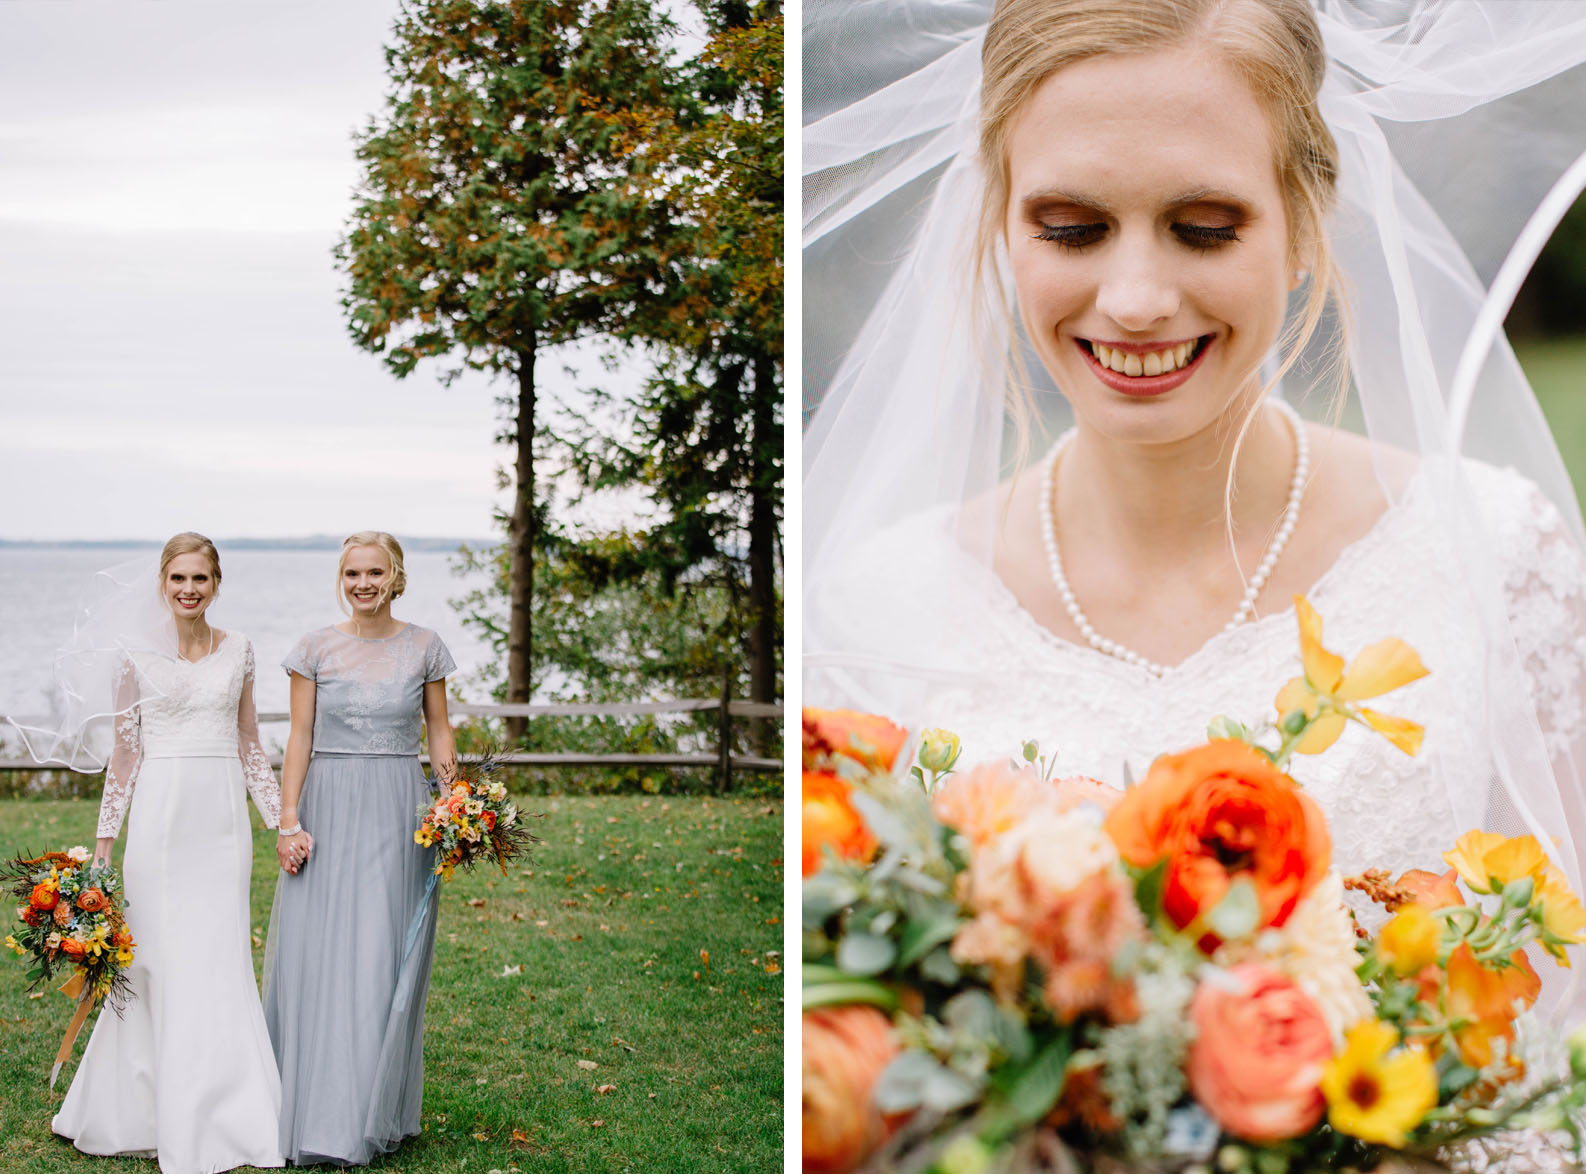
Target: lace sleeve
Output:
[
  {"x": 256, "y": 770},
  {"x": 126, "y": 754}
]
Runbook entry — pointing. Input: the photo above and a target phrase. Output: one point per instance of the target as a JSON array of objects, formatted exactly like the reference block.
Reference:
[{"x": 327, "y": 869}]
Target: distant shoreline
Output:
[{"x": 310, "y": 542}]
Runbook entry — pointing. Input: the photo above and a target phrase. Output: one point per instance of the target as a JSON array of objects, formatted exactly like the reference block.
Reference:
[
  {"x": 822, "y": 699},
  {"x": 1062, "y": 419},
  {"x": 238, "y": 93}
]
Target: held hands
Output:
[{"x": 293, "y": 851}]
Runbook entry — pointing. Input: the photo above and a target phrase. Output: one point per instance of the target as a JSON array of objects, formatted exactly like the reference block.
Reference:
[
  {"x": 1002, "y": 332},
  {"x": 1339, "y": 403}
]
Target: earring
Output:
[{"x": 1300, "y": 275}]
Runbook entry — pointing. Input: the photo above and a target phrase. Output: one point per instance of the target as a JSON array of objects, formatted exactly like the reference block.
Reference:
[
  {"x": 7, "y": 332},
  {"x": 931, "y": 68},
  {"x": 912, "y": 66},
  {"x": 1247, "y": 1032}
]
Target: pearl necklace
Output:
[{"x": 1054, "y": 561}]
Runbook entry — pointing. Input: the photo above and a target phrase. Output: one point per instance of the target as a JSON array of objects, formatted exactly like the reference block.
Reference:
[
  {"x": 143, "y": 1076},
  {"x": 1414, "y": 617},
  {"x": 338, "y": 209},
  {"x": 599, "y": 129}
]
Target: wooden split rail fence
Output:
[{"x": 722, "y": 759}]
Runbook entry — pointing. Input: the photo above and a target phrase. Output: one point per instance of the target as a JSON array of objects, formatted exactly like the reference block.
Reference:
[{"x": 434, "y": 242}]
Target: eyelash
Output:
[{"x": 1200, "y": 237}]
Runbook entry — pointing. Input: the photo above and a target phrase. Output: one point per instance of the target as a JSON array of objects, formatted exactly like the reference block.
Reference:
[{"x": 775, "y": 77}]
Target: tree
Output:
[
  {"x": 706, "y": 434},
  {"x": 502, "y": 210}
]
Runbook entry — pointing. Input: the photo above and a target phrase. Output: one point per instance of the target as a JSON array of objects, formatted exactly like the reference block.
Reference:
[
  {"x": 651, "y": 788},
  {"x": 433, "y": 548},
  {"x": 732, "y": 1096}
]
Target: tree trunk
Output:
[
  {"x": 520, "y": 538},
  {"x": 764, "y": 631}
]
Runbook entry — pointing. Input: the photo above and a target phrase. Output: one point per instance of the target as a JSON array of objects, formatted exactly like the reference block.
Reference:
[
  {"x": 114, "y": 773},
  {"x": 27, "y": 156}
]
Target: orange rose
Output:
[
  {"x": 830, "y": 819},
  {"x": 92, "y": 901},
  {"x": 865, "y": 738},
  {"x": 73, "y": 948},
  {"x": 845, "y": 1049},
  {"x": 44, "y": 896},
  {"x": 1218, "y": 813},
  {"x": 1256, "y": 1063}
]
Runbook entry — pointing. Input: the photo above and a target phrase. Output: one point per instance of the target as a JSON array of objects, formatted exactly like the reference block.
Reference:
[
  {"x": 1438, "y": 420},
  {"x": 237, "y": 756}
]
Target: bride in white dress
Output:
[
  {"x": 185, "y": 1073},
  {"x": 1165, "y": 203}
]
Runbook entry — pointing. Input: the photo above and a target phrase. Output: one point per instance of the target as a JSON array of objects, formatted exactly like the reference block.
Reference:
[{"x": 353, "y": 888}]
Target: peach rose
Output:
[
  {"x": 92, "y": 901},
  {"x": 865, "y": 738},
  {"x": 1218, "y": 813},
  {"x": 830, "y": 820},
  {"x": 1077, "y": 789},
  {"x": 1256, "y": 1063},
  {"x": 44, "y": 896},
  {"x": 990, "y": 800},
  {"x": 845, "y": 1049}
]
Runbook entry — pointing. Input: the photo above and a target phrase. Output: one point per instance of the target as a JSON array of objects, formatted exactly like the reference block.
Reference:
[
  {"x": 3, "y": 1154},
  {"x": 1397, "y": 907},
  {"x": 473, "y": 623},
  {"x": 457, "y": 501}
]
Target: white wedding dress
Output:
[
  {"x": 1013, "y": 680},
  {"x": 185, "y": 1072}
]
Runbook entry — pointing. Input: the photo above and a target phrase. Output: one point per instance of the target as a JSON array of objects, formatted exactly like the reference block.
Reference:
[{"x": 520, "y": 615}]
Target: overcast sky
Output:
[{"x": 173, "y": 174}]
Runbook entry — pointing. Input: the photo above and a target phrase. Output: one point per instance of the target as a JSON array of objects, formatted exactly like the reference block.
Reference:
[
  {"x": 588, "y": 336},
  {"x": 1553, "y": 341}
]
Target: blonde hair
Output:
[
  {"x": 189, "y": 542},
  {"x": 393, "y": 552},
  {"x": 1275, "y": 45}
]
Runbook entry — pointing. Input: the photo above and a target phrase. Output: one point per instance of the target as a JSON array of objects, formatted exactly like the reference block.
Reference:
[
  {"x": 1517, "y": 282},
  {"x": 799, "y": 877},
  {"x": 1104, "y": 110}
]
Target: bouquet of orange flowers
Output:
[
  {"x": 70, "y": 914},
  {"x": 1009, "y": 972},
  {"x": 471, "y": 818}
]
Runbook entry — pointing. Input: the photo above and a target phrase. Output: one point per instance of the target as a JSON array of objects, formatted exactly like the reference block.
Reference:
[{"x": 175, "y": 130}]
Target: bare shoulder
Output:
[{"x": 1353, "y": 481}]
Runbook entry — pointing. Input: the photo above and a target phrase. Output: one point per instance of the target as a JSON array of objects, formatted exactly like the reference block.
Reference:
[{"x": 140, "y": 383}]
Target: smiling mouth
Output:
[{"x": 1143, "y": 365}]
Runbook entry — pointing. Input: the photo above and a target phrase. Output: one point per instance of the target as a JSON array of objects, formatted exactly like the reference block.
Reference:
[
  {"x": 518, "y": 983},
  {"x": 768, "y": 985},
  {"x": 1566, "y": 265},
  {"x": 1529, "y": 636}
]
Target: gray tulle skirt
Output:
[{"x": 344, "y": 1011}]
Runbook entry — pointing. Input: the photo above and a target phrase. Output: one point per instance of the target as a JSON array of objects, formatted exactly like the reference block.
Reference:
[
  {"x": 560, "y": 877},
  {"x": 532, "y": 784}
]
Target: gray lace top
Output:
[{"x": 369, "y": 694}]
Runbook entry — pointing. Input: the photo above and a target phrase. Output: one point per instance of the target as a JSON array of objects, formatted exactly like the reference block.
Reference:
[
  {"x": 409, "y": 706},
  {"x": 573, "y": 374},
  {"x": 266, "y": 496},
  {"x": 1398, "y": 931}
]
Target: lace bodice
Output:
[
  {"x": 187, "y": 709},
  {"x": 1014, "y": 680},
  {"x": 369, "y": 694}
]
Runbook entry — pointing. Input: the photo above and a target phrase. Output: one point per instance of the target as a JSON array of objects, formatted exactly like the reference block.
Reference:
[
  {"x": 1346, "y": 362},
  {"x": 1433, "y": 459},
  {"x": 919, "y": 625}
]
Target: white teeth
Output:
[{"x": 1152, "y": 363}]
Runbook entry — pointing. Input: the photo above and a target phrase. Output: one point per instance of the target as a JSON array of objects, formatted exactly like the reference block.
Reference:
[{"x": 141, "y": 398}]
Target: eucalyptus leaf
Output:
[
  {"x": 1237, "y": 914},
  {"x": 971, "y": 1013},
  {"x": 865, "y": 954},
  {"x": 1034, "y": 1089},
  {"x": 901, "y": 1085},
  {"x": 947, "y": 1090},
  {"x": 938, "y": 966},
  {"x": 826, "y": 894},
  {"x": 883, "y": 823},
  {"x": 923, "y": 934}
]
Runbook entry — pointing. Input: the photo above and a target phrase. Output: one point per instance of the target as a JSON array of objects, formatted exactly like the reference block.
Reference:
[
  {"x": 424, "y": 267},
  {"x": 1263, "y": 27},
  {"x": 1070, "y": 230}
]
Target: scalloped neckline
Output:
[{"x": 1325, "y": 584}]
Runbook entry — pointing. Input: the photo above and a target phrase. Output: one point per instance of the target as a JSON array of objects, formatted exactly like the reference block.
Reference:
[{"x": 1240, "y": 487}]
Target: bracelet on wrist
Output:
[{"x": 291, "y": 831}]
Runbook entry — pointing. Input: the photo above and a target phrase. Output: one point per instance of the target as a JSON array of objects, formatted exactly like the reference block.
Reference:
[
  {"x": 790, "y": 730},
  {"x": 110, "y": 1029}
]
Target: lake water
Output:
[{"x": 272, "y": 596}]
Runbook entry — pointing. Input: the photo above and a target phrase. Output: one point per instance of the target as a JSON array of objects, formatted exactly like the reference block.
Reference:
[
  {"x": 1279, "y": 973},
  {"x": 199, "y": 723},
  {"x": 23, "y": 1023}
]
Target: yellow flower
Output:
[
  {"x": 124, "y": 957},
  {"x": 1563, "y": 918},
  {"x": 1326, "y": 691},
  {"x": 13, "y": 944},
  {"x": 1486, "y": 861},
  {"x": 938, "y": 750},
  {"x": 1374, "y": 1096},
  {"x": 1409, "y": 942}
]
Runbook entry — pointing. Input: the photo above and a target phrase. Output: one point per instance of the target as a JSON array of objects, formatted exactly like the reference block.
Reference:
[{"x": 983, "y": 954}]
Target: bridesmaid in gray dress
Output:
[{"x": 345, "y": 976}]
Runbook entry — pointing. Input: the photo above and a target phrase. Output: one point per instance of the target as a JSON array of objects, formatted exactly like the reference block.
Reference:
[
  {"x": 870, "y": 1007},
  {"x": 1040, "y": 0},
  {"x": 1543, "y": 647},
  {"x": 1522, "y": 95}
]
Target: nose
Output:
[{"x": 1136, "y": 285}]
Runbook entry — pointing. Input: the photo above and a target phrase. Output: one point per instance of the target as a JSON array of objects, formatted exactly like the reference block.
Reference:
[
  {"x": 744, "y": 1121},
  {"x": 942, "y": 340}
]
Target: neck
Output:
[
  {"x": 192, "y": 634},
  {"x": 1169, "y": 502},
  {"x": 375, "y": 624}
]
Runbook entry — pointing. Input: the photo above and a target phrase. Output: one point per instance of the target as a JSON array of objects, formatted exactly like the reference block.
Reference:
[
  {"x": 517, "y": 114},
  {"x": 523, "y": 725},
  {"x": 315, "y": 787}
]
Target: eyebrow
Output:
[{"x": 1184, "y": 199}]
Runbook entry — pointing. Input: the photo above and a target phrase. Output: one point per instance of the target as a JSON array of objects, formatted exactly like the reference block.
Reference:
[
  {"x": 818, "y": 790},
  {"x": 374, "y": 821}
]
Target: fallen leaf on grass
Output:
[
  {"x": 773, "y": 968},
  {"x": 519, "y": 1138},
  {"x": 603, "y": 1089},
  {"x": 588, "y": 1065},
  {"x": 481, "y": 1137},
  {"x": 36, "y": 995},
  {"x": 542, "y": 924},
  {"x": 477, "y": 902},
  {"x": 704, "y": 956},
  {"x": 510, "y": 971},
  {"x": 618, "y": 1042},
  {"x": 597, "y": 1124}
]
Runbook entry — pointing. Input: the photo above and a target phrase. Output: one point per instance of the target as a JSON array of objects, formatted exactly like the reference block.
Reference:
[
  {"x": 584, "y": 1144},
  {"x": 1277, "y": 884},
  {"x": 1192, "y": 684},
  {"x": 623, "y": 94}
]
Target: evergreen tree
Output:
[{"x": 504, "y": 209}]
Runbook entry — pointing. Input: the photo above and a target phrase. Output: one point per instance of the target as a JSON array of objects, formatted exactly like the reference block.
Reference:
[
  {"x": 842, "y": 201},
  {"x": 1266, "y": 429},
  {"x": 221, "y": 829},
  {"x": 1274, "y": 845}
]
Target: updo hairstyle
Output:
[
  {"x": 189, "y": 542},
  {"x": 394, "y": 586}
]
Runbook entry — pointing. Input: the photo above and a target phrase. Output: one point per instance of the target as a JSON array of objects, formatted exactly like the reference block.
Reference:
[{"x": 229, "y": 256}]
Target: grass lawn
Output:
[
  {"x": 1557, "y": 370},
  {"x": 636, "y": 953}
]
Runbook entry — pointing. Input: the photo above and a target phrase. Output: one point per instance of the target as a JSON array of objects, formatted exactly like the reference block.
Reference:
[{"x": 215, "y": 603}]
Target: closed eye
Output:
[
  {"x": 1072, "y": 236},
  {"x": 1206, "y": 236}
]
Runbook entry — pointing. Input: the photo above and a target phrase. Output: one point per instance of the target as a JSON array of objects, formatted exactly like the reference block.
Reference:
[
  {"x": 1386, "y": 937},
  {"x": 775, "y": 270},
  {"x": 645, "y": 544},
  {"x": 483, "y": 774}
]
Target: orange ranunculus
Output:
[
  {"x": 830, "y": 820},
  {"x": 92, "y": 901},
  {"x": 865, "y": 738},
  {"x": 34, "y": 915},
  {"x": 845, "y": 1049},
  {"x": 1486, "y": 998},
  {"x": 488, "y": 818},
  {"x": 1431, "y": 891},
  {"x": 1256, "y": 1063},
  {"x": 73, "y": 948},
  {"x": 1219, "y": 813},
  {"x": 122, "y": 938},
  {"x": 44, "y": 896}
]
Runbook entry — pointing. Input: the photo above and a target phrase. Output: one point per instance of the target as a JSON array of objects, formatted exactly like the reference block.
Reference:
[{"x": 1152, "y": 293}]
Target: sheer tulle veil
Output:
[
  {"x": 96, "y": 677},
  {"x": 1453, "y": 119}
]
